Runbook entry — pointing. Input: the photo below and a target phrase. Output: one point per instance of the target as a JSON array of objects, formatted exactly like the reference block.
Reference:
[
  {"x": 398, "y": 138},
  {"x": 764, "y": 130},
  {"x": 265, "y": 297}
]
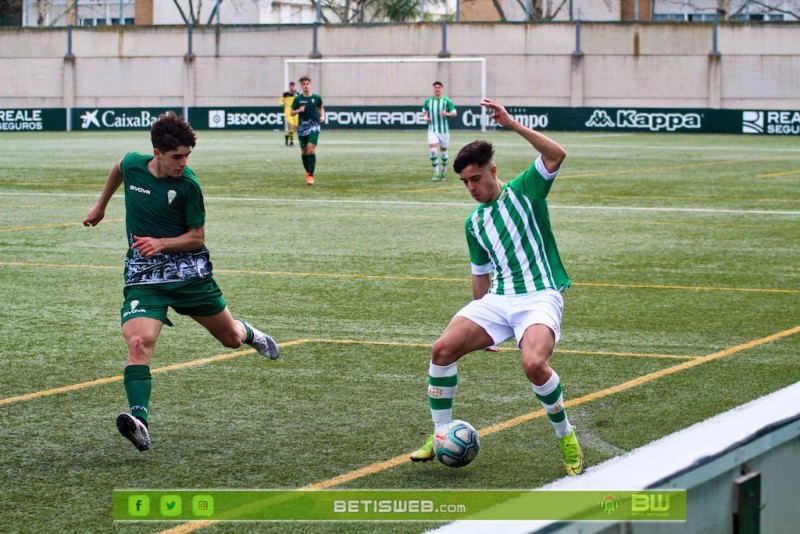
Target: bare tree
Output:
[
  {"x": 360, "y": 11},
  {"x": 542, "y": 9},
  {"x": 733, "y": 9},
  {"x": 195, "y": 11}
]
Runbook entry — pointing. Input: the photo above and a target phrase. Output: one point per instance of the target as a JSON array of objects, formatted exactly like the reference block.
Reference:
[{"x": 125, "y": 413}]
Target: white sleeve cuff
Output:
[
  {"x": 479, "y": 270},
  {"x": 547, "y": 175}
]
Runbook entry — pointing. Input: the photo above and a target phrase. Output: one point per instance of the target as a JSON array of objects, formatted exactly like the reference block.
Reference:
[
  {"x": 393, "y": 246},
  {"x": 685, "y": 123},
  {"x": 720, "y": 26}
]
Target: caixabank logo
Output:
[
  {"x": 771, "y": 122},
  {"x": 116, "y": 118}
]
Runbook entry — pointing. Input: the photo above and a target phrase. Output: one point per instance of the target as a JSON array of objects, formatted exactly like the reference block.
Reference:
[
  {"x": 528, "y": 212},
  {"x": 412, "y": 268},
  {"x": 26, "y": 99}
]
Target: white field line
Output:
[{"x": 434, "y": 204}]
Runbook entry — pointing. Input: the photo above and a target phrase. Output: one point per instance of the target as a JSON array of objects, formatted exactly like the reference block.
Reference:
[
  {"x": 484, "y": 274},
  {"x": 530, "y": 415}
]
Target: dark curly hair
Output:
[{"x": 171, "y": 131}]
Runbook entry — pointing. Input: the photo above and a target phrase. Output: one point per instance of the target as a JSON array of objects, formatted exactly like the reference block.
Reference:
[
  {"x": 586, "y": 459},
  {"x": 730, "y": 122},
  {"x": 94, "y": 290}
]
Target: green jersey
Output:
[
  {"x": 161, "y": 207},
  {"x": 309, "y": 118},
  {"x": 432, "y": 107},
  {"x": 512, "y": 239}
]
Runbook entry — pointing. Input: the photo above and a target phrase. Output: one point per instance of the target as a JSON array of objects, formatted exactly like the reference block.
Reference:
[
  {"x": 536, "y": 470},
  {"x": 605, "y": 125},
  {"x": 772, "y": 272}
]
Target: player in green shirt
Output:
[
  {"x": 309, "y": 107},
  {"x": 437, "y": 111},
  {"x": 167, "y": 263},
  {"x": 517, "y": 280}
]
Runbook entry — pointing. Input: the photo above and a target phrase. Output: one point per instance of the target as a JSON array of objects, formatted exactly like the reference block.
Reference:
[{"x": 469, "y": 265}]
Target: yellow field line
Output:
[
  {"x": 687, "y": 288},
  {"x": 202, "y": 361},
  {"x": 118, "y": 378},
  {"x": 643, "y": 379},
  {"x": 773, "y": 174},
  {"x": 375, "y": 468},
  {"x": 672, "y": 167},
  {"x": 412, "y": 278},
  {"x": 504, "y": 349},
  {"x": 53, "y": 225}
]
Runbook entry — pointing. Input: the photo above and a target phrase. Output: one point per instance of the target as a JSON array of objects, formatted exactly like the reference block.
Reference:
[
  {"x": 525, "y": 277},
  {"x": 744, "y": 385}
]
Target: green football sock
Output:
[
  {"x": 138, "y": 385},
  {"x": 249, "y": 338},
  {"x": 312, "y": 162}
]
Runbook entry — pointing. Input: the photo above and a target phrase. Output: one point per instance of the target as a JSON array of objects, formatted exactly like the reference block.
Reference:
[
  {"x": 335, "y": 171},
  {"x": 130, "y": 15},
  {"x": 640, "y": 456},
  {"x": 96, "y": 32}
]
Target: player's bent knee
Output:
[
  {"x": 442, "y": 354},
  {"x": 140, "y": 349},
  {"x": 536, "y": 369}
]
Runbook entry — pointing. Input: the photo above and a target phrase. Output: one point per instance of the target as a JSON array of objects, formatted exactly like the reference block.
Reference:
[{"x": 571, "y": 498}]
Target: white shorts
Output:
[
  {"x": 443, "y": 140},
  {"x": 507, "y": 316}
]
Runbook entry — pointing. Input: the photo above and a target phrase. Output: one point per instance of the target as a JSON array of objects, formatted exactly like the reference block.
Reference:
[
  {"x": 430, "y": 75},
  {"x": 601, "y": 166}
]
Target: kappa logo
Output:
[
  {"x": 171, "y": 194},
  {"x": 90, "y": 119},
  {"x": 600, "y": 119}
]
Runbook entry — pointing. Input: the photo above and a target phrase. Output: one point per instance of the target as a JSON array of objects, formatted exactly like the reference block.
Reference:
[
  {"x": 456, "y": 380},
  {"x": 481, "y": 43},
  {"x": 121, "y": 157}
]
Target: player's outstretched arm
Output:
[
  {"x": 98, "y": 211},
  {"x": 552, "y": 153}
]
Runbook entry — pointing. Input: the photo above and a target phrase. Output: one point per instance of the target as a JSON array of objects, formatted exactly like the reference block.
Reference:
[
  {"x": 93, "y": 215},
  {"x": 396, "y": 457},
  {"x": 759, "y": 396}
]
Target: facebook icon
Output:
[{"x": 138, "y": 505}]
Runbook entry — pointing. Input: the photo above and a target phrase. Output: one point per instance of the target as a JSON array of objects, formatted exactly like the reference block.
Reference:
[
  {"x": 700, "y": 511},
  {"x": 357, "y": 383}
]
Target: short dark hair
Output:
[
  {"x": 291, "y": 83},
  {"x": 438, "y": 83},
  {"x": 303, "y": 77},
  {"x": 171, "y": 131},
  {"x": 480, "y": 153}
]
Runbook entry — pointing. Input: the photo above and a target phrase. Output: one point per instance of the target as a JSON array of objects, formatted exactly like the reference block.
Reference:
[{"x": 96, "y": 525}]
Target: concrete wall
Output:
[{"x": 619, "y": 64}]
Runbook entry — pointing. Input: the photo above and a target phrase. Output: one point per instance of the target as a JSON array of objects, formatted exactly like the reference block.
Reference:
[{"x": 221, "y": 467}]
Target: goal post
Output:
[{"x": 411, "y": 84}]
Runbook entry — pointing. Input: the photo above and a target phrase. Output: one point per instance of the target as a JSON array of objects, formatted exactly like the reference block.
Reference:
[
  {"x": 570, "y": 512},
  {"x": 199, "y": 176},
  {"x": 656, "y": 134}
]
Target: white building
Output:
[{"x": 155, "y": 12}]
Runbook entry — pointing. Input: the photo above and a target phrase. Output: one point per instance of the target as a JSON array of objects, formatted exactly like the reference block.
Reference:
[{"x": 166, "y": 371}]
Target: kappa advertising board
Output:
[
  {"x": 722, "y": 121},
  {"x": 32, "y": 120}
]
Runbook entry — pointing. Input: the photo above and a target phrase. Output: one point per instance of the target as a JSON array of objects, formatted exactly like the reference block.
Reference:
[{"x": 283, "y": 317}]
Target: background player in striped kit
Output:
[
  {"x": 517, "y": 280},
  {"x": 438, "y": 110}
]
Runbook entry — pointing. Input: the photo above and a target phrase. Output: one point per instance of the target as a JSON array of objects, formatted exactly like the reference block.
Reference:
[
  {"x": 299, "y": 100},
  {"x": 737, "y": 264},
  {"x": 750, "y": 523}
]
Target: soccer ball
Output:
[{"x": 456, "y": 444}]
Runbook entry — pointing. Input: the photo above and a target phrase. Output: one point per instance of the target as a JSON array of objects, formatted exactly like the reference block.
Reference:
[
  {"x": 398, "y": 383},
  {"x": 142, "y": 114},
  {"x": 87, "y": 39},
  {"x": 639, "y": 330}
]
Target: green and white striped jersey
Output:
[
  {"x": 512, "y": 239},
  {"x": 433, "y": 106}
]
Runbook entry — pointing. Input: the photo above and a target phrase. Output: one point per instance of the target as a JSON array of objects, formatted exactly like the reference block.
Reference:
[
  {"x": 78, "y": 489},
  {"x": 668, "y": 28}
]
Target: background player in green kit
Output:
[
  {"x": 167, "y": 263},
  {"x": 517, "y": 280},
  {"x": 438, "y": 110},
  {"x": 312, "y": 113}
]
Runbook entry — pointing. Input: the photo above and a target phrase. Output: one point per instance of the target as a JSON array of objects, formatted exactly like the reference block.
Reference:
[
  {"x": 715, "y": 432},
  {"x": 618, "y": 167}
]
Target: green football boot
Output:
[
  {"x": 573, "y": 455},
  {"x": 424, "y": 453}
]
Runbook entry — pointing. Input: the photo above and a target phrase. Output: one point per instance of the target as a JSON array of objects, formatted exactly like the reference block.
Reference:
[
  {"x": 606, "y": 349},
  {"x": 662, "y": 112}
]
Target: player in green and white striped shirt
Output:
[
  {"x": 517, "y": 280},
  {"x": 438, "y": 110}
]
